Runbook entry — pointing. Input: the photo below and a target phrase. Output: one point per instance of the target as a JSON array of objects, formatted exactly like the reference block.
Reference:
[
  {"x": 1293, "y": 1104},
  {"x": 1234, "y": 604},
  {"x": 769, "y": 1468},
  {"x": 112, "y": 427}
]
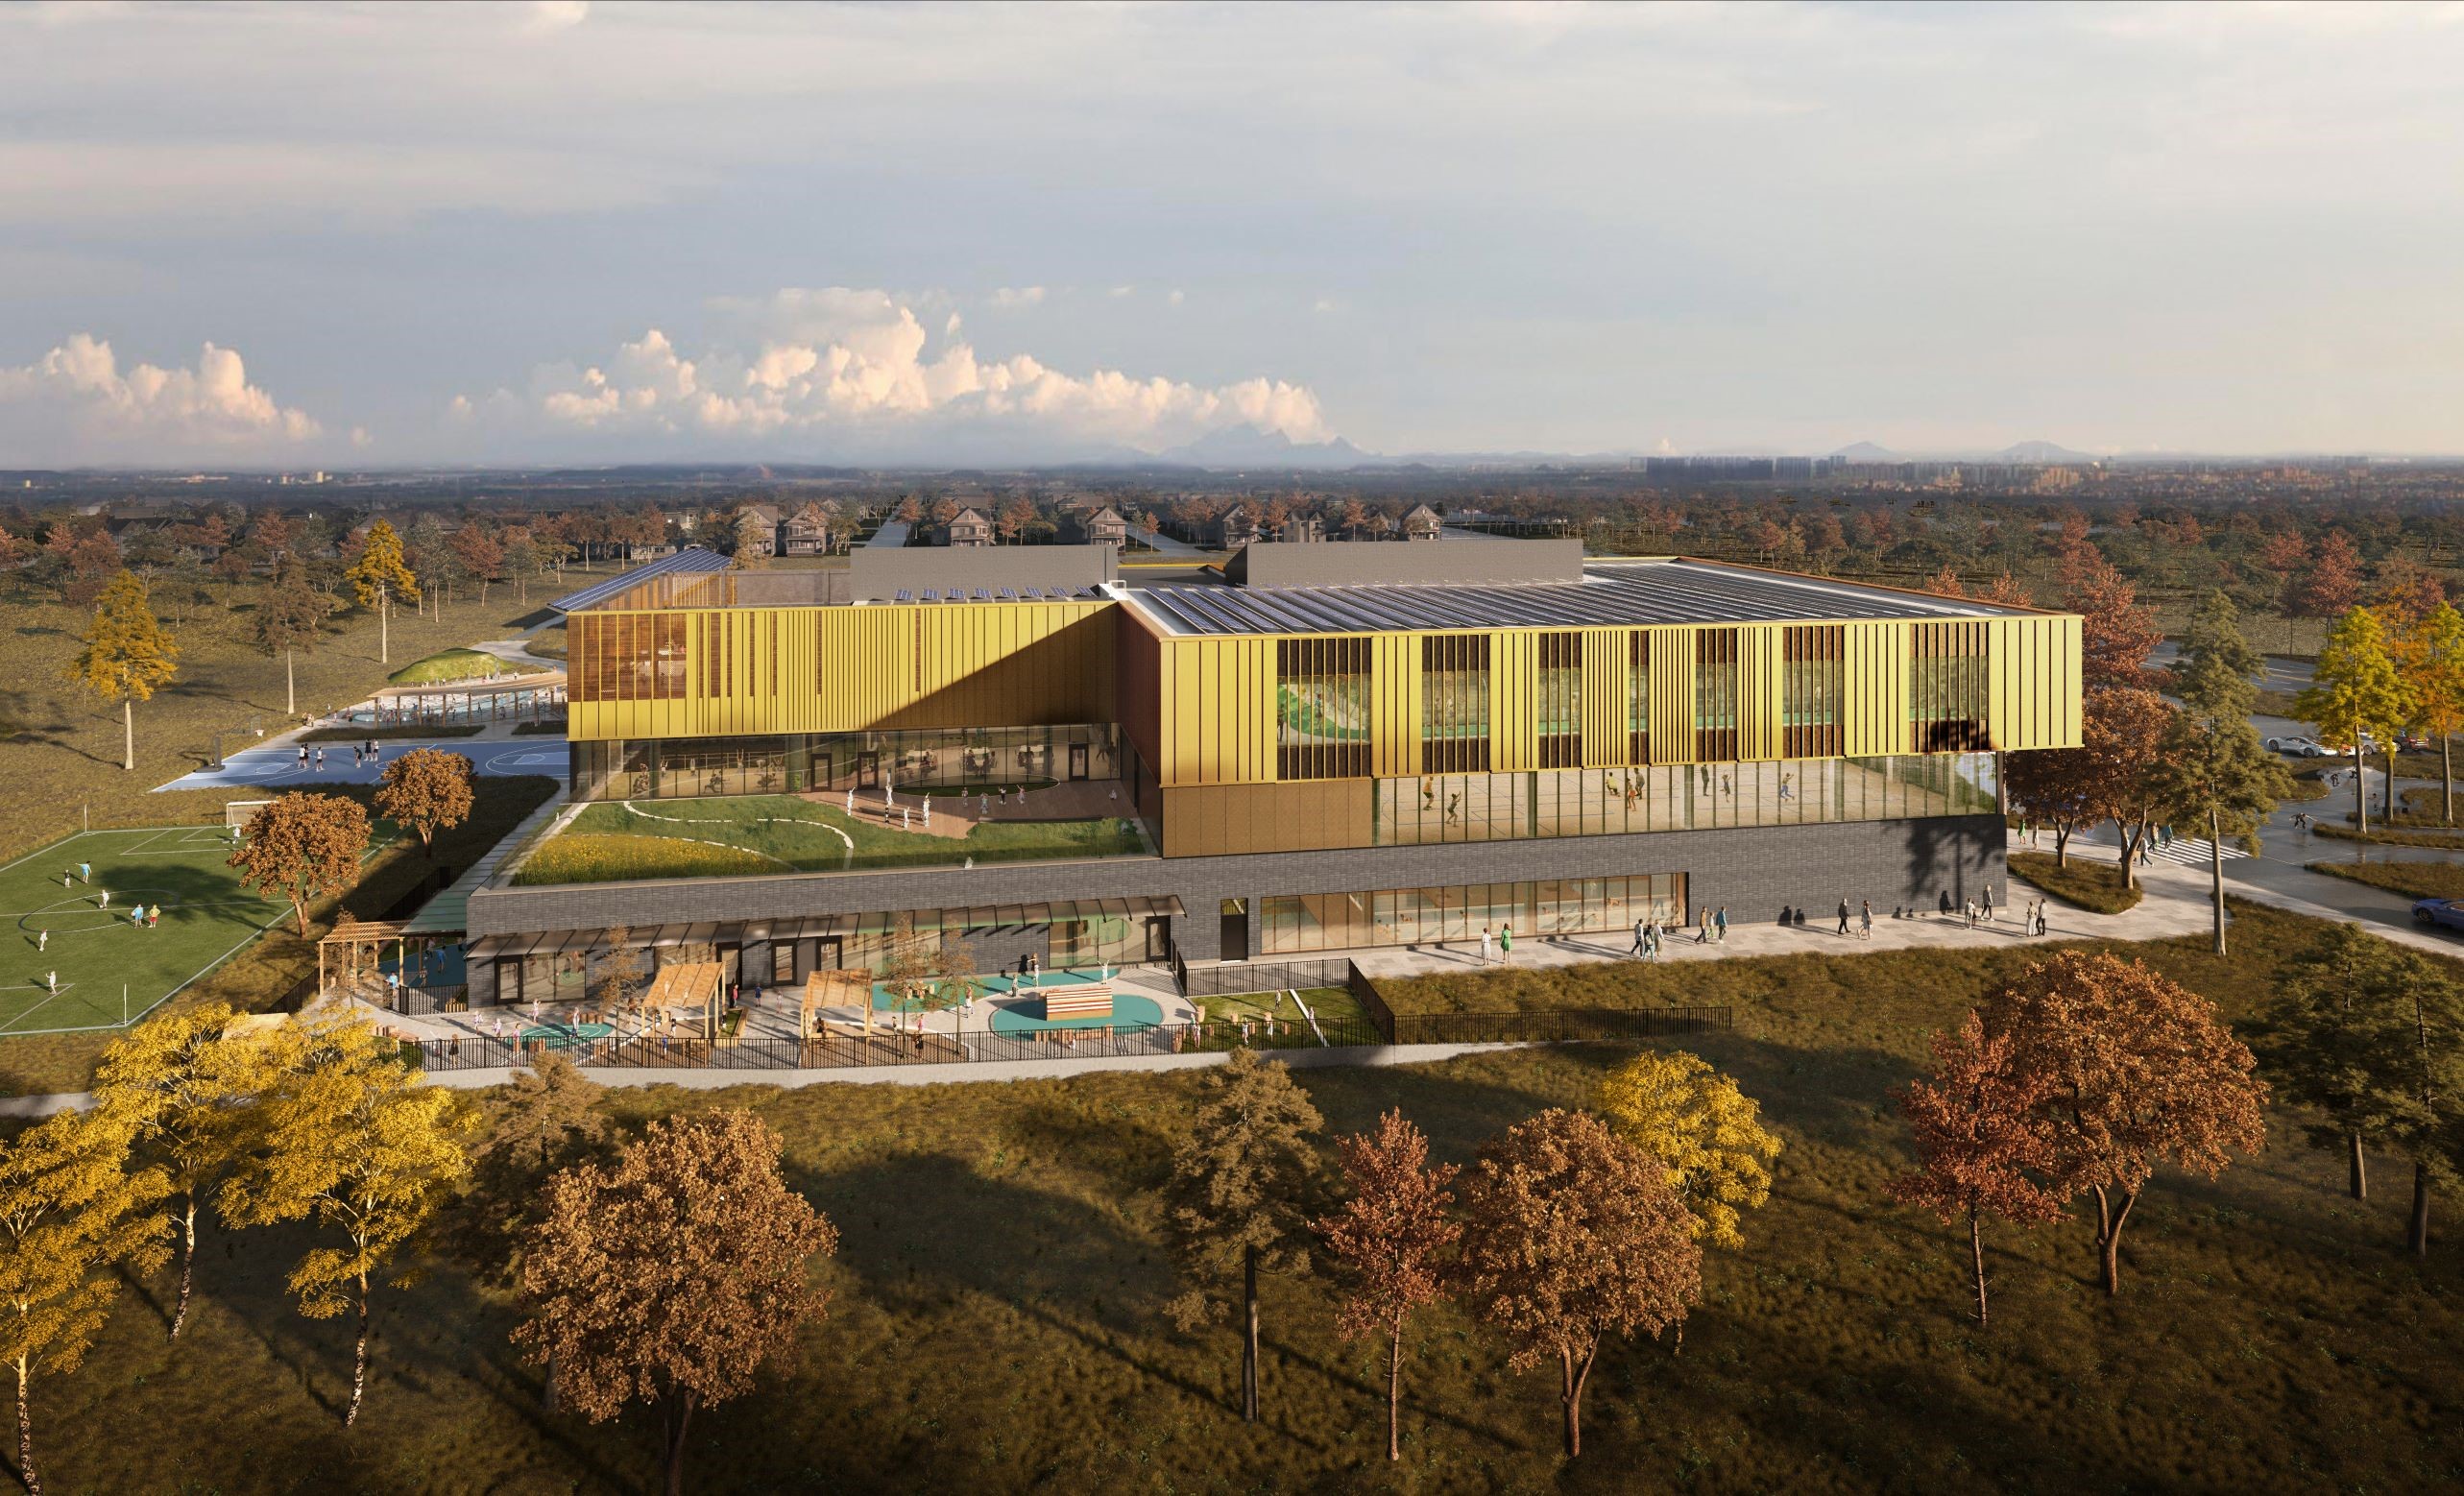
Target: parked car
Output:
[
  {"x": 2449, "y": 912},
  {"x": 2306, "y": 748},
  {"x": 2413, "y": 742}
]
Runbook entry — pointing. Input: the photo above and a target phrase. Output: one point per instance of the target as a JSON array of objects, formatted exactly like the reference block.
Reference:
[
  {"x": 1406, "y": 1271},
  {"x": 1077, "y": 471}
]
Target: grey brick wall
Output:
[{"x": 1753, "y": 870}]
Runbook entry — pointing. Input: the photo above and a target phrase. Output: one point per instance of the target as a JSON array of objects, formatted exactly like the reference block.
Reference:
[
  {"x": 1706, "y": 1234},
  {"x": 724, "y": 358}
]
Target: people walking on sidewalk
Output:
[
  {"x": 1865, "y": 922},
  {"x": 1843, "y": 917}
]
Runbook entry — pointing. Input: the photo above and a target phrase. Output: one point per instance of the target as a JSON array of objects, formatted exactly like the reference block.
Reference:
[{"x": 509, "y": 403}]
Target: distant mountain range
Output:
[{"x": 1251, "y": 447}]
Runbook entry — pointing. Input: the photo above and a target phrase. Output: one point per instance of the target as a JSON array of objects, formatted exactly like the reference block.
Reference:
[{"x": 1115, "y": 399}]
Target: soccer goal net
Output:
[{"x": 236, "y": 813}]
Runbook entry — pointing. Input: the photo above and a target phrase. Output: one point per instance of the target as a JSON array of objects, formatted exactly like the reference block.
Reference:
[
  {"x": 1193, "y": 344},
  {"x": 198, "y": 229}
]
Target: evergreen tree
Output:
[
  {"x": 127, "y": 654},
  {"x": 2209, "y": 768}
]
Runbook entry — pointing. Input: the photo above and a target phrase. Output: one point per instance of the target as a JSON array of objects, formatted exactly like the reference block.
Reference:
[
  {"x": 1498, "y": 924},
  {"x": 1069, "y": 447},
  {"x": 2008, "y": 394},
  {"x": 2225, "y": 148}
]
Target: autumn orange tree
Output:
[
  {"x": 1392, "y": 1234},
  {"x": 1236, "y": 1203},
  {"x": 302, "y": 847},
  {"x": 671, "y": 1275},
  {"x": 1572, "y": 1236},
  {"x": 2136, "y": 1075},
  {"x": 428, "y": 790},
  {"x": 1979, "y": 1144},
  {"x": 2119, "y": 732}
]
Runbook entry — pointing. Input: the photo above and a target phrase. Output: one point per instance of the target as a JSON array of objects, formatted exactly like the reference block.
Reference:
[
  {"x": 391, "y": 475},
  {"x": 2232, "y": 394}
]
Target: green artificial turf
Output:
[
  {"x": 611, "y": 842},
  {"x": 106, "y": 965},
  {"x": 996, "y": 1320}
]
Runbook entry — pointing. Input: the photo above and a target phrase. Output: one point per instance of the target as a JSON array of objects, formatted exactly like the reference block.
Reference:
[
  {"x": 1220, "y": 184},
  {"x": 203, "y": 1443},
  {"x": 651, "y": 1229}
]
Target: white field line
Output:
[{"x": 793, "y": 820}]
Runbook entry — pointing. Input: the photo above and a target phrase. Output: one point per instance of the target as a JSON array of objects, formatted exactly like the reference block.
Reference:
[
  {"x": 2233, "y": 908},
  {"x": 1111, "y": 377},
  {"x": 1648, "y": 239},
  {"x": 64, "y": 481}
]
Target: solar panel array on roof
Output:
[
  {"x": 1668, "y": 593},
  {"x": 691, "y": 559}
]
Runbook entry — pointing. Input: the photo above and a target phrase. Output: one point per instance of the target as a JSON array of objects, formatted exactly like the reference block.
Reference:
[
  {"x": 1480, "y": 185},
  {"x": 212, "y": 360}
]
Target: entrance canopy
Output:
[{"x": 825, "y": 926}]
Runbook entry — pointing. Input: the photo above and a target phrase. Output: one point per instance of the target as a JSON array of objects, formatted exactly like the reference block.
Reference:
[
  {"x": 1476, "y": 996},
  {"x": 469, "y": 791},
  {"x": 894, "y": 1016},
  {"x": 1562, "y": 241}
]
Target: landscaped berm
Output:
[
  {"x": 70, "y": 954},
  {"x": 617, "y": 841}
]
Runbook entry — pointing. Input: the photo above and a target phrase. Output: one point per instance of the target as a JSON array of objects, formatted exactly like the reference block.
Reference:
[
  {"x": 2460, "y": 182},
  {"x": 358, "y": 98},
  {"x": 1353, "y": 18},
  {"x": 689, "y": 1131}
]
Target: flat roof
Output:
[{"x": 1660, "y": 589}]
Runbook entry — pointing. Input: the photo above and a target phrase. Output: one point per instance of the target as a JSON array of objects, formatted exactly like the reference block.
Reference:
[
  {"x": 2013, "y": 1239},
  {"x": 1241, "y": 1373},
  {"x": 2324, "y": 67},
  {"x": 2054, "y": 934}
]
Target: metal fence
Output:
[{"x": 1230, "y": 978}]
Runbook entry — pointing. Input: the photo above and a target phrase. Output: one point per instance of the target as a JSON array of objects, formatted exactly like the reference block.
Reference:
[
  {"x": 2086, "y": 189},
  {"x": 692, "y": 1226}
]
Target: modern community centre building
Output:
[{"x": 1312, "y": 747}]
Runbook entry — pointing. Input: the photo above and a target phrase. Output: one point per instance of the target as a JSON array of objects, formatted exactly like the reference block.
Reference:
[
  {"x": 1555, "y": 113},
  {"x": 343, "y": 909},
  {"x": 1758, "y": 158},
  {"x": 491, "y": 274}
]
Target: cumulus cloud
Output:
[
  {"x": 1009, "y": 298},
  {"x": 76, "y": 403},
  {"x": 858, "y": 371}
]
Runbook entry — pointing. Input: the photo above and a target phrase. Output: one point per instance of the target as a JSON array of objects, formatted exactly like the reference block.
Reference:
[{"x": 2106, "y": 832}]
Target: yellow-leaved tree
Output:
[
  {"x": 350, "y": 1139},
  {"x": 380, "y": 576},
  {"x": 1706, "y": 1132},
  {"x": 127, "y": 654},
  {"x": 182, "y": 1083},
  {"x": 72, "y": 1214}
]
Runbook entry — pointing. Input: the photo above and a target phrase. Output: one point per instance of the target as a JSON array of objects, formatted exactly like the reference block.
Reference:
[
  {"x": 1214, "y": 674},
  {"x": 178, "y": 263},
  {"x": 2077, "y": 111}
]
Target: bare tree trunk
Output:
[
  {"x": 128, "y": 736},
  {"x": 683, "y": 1403},
  {"x": 2360, "y": 793},
  {"x": 290, "y": 682},
  {"x": 2109, "y": 1237},
  {"x": 2216, "y": 873},
  {"x": 1976, "y": 1255},
  {"x": 1394, "y": 1393},
  {"x": 2128, "y": 835},
  {"x": 1249, "y": 1335},
  {"x": 359, "y": 1359},
  {"x": 384, "y": 634},
  {"x": 2390, "y": 803},
  {"x": 2417, "y": 1231},
  {"x": 188, "y": 1260},
  {"x": 2360, "y": 1171},
  {"x": 2447, "y": 778},
  {"x": 2061, "y": 845},
  {"x": 25, "y": 1437}
]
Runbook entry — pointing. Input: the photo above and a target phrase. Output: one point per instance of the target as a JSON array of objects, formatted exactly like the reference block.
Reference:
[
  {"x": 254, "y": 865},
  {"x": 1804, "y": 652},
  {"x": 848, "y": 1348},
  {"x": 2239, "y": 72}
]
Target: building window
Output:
[
  {"x": 1715, "y": 694},
  {"x": 1811, "y": 690},
  {"x": 1322, "y": 708},
  {"x": 1638, "y": 698},
  {"x": 718, "y": 657},
  {"x": 1454, "y": 703},
  {"x": 1947, "y": 676},
  {"x": 629, "y": 657},
  {"x": 1294, "y": 924},
  {"x": 1560, "y": 701}
]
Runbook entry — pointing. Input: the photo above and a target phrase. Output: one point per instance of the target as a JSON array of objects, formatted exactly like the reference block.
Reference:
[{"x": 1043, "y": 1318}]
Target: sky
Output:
[{"x": 358, "y": 236}]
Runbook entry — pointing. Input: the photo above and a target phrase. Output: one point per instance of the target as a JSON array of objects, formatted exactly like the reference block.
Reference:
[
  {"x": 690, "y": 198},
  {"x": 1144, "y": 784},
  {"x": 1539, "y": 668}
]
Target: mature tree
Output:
[
  {"x": 290, "y": 616},
  {"x": 2332, "y": 587},
  {"x": 125, "y": 656},
  {"x": 380, "y": 576},
  {"x": 1707, "y": 1135},
  {"x": 1978, "y": 1141},
  {"x": 2328, "y": 1038},
  {"x": 480, "y": 556},
  {"x": 301, "y": 846},
  {"x": 522, "y": 559},
  {"x": 2118, "y": 633},
  {"x": 73, "y": 1217},
  {"x": 1237, "y": 1202},
  {"x": 349, "y": 1136},
  {"x": 2209, "y": 768},
  {"x": 2284, "y": 560},
  {"x": 751, "y": 535},
  {"x": 670, "y": 1276},
  {"x": 2056, "y": 786},
  {"x": 1014, "y": 517},
  {"x": 430, "y": 790},
  {"x": 2121, "y": 731},
  {"x": 2432, "y": 653},
  {"x": 182, "y": 1082},
  {"x": 2137, "y": 1074},
  {"x": 1392, "y": 1234},
  {"x": 2356, "y": 694},
  {"x": 1573, "y": 1235},
  {"x": 925, "y": 975}
]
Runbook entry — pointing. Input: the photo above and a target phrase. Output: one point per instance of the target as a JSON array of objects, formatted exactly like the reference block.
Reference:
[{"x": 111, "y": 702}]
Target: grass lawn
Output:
[
  {"x": 614, "y": 842},
  {"x": 2412, "y": 880},
  {"x": 997, "y": 1321},
  {"x": 2091, "y": 885},
  {"x": 2308, "y": 786},
  {"x": 59, "y": 749},
  {"x": 457, "y": 665},
  {"x": 268, "y": 971}
]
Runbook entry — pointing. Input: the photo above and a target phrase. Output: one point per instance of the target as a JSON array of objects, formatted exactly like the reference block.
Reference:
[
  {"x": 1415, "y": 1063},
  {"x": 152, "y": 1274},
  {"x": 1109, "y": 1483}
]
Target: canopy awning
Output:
[{"x": 990, "y": 916}]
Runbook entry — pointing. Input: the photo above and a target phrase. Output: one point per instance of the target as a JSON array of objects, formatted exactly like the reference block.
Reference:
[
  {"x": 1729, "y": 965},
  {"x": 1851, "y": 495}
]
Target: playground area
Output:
[{"x": 76, "y": 951}]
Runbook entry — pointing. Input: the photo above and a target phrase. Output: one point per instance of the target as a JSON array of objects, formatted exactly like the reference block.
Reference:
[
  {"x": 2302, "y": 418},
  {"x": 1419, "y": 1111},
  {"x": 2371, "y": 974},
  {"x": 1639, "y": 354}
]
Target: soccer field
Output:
[{"x": 68, "y": 933}]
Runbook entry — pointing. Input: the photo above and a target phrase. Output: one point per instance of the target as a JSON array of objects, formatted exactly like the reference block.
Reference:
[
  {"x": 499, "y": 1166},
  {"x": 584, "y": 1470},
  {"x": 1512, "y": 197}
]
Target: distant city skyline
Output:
[{"x": 266, "y": 236}]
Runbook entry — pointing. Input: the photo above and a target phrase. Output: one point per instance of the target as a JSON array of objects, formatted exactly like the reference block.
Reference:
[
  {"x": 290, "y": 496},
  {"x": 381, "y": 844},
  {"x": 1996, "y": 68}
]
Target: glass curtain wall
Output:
[
  {"x": 1561, "y": 700},
  {"x": 1946, "y": 687},
  {"x": 1447, "y": 808},
  {"x": 988, "y": 758},
  {"x": 1322, "y": 708},
  {"x": 1454, "y": 703},
  {"x": 1715, "y": 694},
  {"x": 1291, "y": 924}
]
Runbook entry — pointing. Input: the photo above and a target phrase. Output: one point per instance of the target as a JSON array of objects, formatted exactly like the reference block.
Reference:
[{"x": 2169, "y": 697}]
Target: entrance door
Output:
[
  {"x": 731, "y": 965},
  {"x": 1078, "y": 760},
  {"x": 868, "y": 771},
  {"x": 508, "y": 979},
  {"x": 829, "y": 954},
  {"x": 1159, "y": 938},
  {"x": 1234, "y": 930}
]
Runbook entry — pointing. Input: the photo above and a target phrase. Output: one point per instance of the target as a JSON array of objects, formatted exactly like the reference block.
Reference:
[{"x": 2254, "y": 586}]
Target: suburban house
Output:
[{"x": 967, "y": 528}]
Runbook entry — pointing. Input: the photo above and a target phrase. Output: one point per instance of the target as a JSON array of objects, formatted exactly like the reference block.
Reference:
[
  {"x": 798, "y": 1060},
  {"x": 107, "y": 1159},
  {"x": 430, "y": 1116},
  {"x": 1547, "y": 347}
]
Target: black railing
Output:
[
  {"x": 849, "y": 1050},
  {"x": 1226, "y": 978}
]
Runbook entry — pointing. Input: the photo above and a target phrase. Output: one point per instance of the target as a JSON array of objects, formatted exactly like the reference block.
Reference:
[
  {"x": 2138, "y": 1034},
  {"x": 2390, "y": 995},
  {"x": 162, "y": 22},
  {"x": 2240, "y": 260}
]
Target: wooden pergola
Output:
[
  {"x": 690, "y": 992},
  {"x": 825, "y": 989},
  {"x": 360, "y": 945}
]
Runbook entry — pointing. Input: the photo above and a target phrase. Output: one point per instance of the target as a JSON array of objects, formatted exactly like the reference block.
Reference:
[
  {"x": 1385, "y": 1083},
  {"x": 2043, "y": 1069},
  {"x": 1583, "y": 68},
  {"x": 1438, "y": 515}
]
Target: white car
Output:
[{"x": 2307, "y": 748}]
